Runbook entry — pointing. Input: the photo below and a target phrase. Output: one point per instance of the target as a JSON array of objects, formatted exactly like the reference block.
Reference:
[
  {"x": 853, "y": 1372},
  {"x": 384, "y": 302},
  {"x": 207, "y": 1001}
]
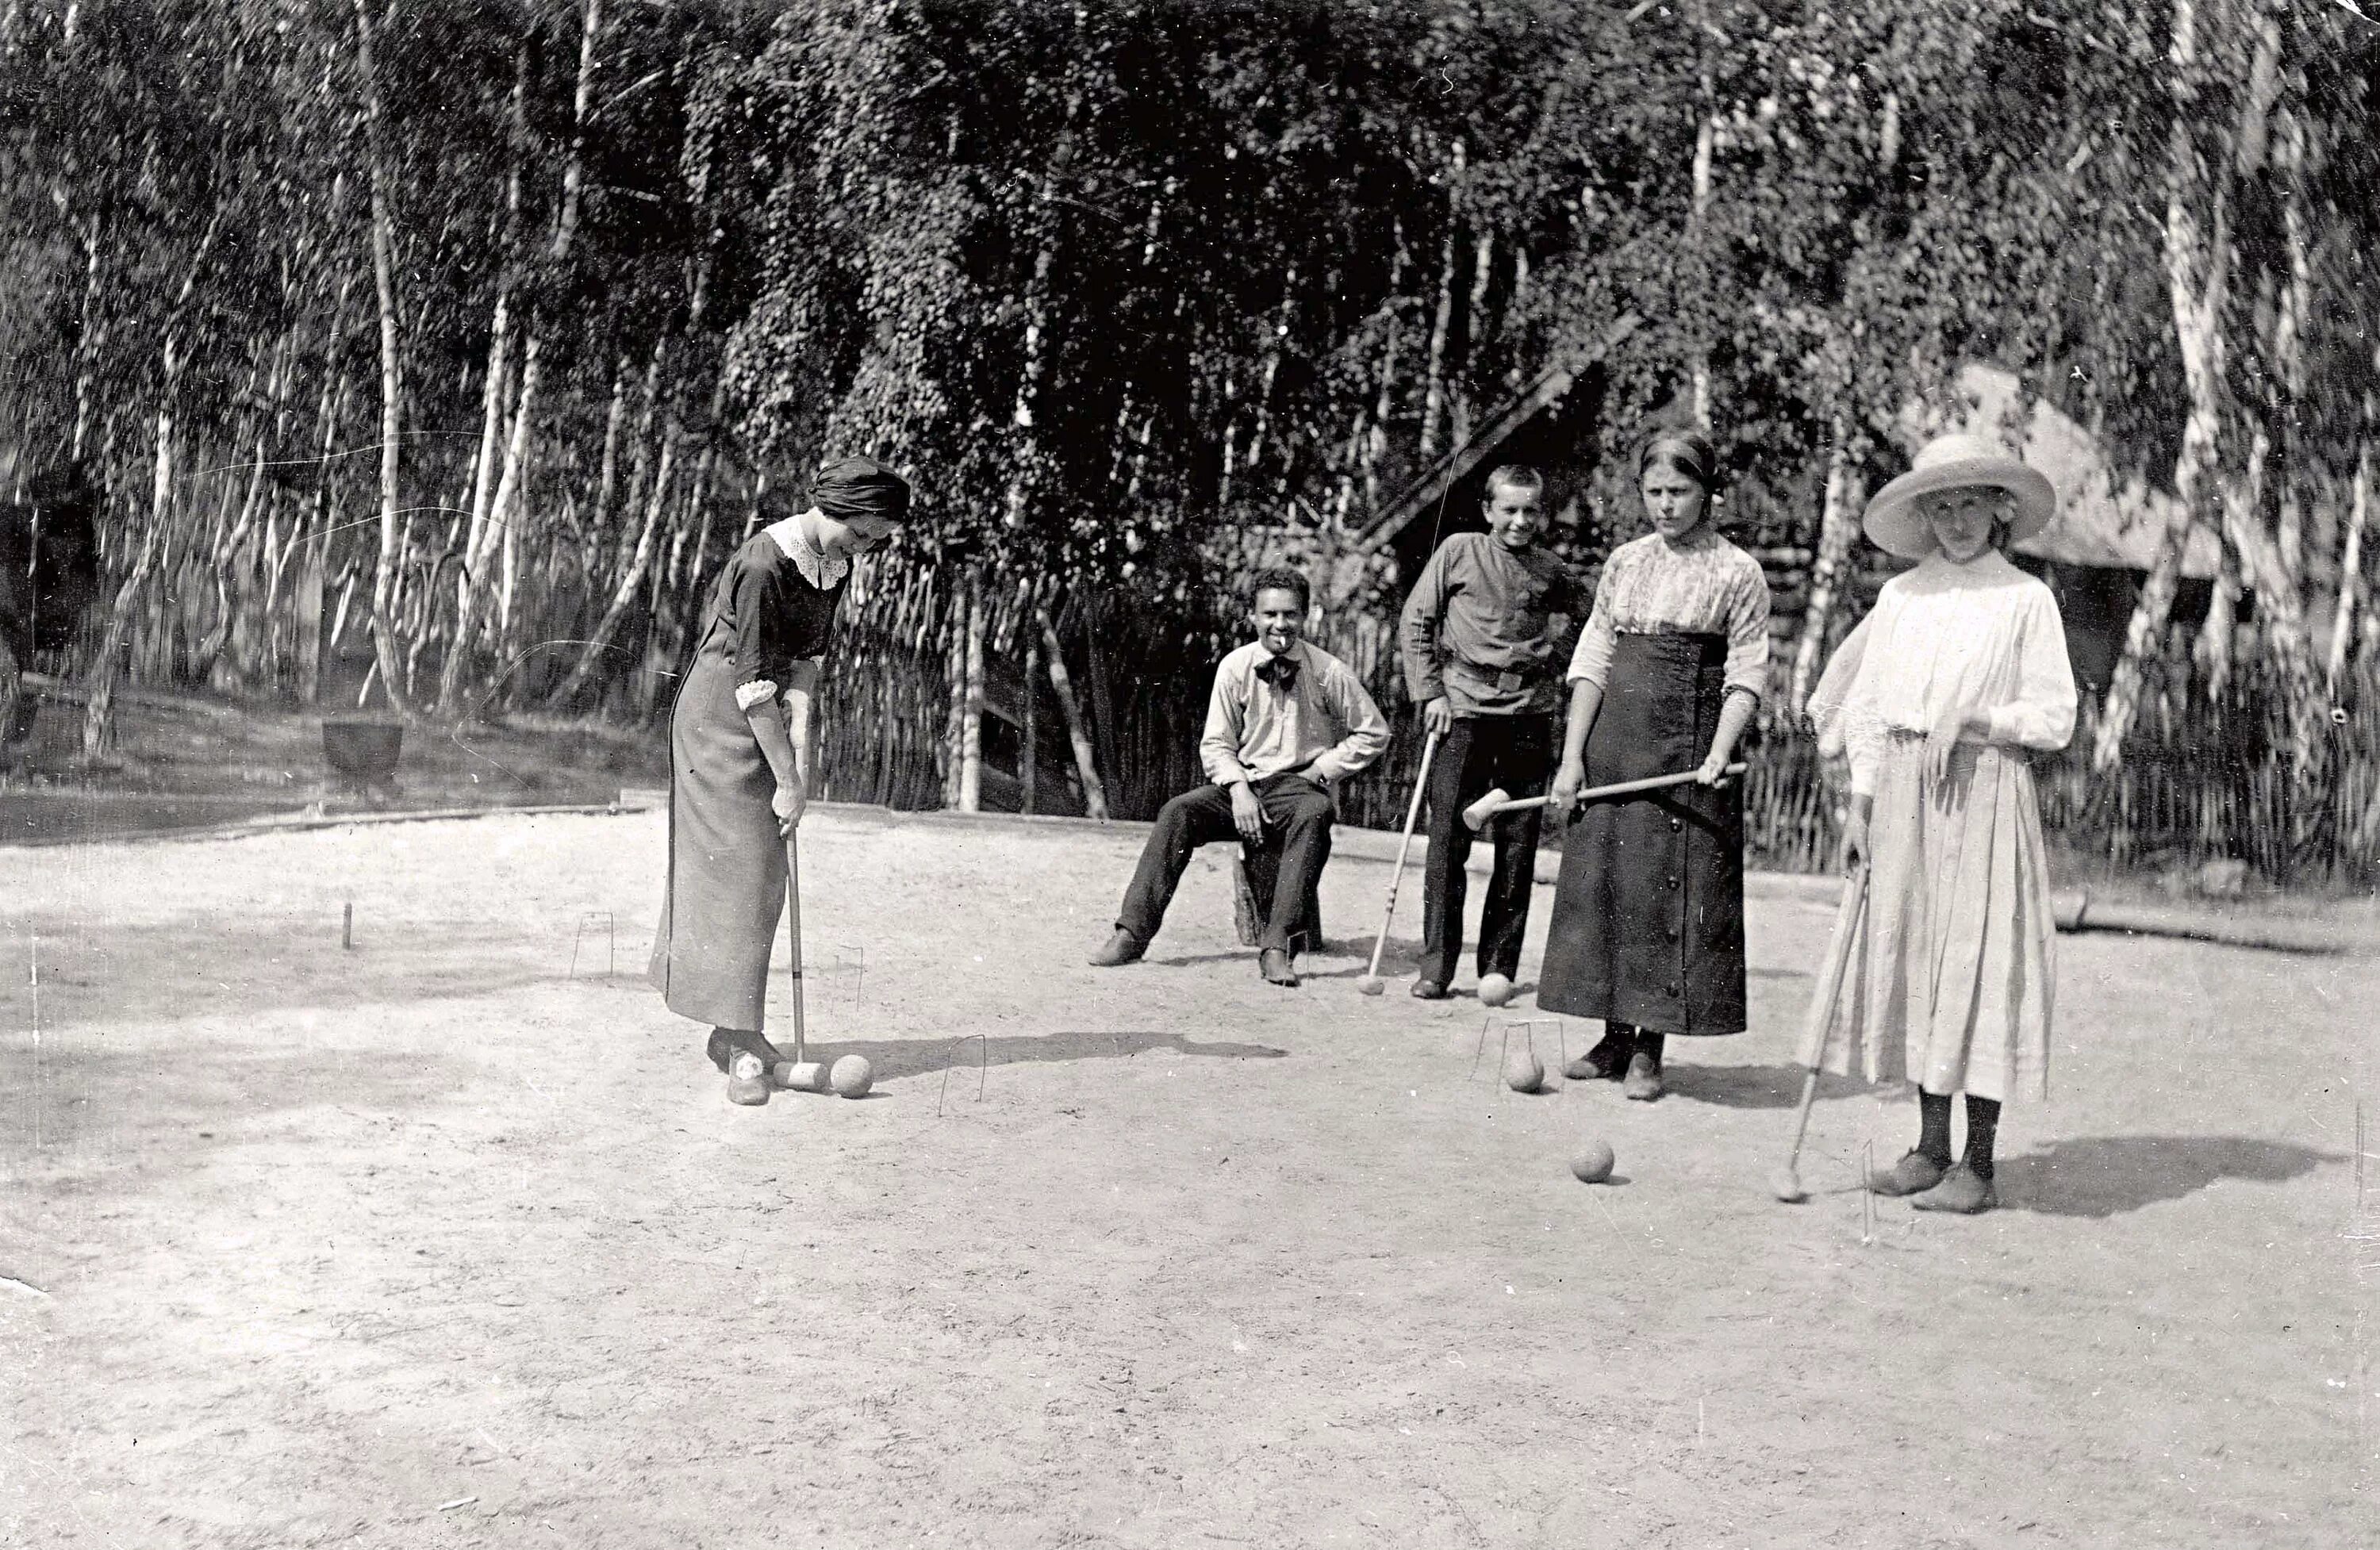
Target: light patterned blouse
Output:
[
  {"x": 1702, "y": 584},
  {"x": 1947, "y": 638}
]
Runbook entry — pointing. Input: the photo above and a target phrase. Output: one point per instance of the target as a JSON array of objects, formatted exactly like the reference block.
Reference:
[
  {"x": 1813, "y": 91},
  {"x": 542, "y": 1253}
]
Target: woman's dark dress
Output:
[
  {"x": 727, "y": 883},
  {"x": 1647, "y": 924}
]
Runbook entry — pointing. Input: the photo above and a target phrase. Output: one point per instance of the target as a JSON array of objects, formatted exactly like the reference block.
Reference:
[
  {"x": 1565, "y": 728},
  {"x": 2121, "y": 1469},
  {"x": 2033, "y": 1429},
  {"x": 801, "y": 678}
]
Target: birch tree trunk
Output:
[
  {"x": 2350, "y": 569},
  {"x": 98, "y": 706},
  {"x": 1433, "y": 407},
  {"x": 386, "y": 650},
  {"x": 971, "y": 707},
  {"x": 2195, "y": 280},
  {"x": 1095, "y": 801},
  {"x": 1838, "y": 526},
  {"x": 624, "y": 594}
]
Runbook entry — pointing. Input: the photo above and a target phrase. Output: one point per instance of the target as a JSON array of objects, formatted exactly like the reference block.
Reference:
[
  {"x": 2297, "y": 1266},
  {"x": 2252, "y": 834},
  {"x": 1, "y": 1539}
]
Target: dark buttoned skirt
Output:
[{"x": 1647, "y": 924}]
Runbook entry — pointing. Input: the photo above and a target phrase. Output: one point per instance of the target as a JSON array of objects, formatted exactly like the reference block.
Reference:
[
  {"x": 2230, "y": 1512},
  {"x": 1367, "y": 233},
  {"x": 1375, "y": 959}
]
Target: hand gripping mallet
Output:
[
  {"x": 1475, "y": 816},
  {"x": 1850, "y": 925},
  {"x": 1370, "y": 984}
]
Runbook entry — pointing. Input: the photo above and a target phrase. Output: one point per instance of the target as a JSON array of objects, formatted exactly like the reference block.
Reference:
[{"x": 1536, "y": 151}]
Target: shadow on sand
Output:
[
  {"x": 2106, "y": 1176},
  {"x": 1744, "y": 1087},
  {"x": 894, "y": 1058}
]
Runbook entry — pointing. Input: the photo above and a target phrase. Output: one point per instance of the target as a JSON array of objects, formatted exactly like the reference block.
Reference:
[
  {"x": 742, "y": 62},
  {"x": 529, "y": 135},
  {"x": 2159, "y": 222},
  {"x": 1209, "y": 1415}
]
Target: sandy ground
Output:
[{"x": 451, "y": 1240}]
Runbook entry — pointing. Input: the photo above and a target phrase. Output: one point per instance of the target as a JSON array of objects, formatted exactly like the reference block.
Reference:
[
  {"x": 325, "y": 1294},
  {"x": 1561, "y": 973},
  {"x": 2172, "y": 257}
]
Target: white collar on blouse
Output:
[{"x": 822, "y": 570}]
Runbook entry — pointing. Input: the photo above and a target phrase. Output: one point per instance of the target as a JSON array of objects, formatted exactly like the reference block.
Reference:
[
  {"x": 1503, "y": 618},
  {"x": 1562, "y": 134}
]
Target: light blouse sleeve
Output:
[
  {"x": 2042, "y": 714},
  {"x": 1861, "y": 721},
  {"x": 1590, "y": 660},
  {"x": 1747, "y": 631}
]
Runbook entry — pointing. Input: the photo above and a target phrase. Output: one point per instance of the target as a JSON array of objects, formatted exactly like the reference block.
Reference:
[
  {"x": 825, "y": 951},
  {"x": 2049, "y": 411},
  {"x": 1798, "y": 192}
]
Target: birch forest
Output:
[{"x": 433, "y": 356}]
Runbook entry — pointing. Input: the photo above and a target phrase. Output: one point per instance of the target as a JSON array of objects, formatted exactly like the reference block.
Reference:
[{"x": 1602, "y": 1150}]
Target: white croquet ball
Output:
[
  {"x": 1592, "y": 1163},
  {"x": 853, "y": 1076}
]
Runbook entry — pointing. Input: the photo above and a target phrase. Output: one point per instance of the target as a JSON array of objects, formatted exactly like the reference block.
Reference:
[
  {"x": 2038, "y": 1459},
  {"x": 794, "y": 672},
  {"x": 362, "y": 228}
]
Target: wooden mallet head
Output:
[{"x": 1475, "y": 816}]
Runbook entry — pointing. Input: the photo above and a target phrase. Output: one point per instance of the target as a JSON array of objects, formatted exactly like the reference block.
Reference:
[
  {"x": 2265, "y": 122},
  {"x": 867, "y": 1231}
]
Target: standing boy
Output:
[
  {"x": 1285, "y": 722},
  {"x": 1479, "y": 660}
]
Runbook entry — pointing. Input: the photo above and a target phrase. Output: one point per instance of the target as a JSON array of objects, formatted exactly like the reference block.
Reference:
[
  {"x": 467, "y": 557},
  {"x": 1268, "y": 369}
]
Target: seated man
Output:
[{"x": 1286, "y": 720}]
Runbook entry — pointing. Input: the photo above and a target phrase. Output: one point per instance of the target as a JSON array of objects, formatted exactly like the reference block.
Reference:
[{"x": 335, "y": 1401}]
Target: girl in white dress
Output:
[{"x": 1940, "y": 699}]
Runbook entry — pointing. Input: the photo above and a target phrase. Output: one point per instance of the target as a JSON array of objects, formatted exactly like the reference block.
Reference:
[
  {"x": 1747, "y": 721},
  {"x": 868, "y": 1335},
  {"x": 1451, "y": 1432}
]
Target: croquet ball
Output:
[
  {"x": 1593, "y": 1164},
  {"x": 746, "y": 1067},
  {"x": 1523, "y": 1073},
  {"x": 1495, "y": 990},
  {"x": 799, "y": 1076},
  {"x": 853, "y": 1076}
]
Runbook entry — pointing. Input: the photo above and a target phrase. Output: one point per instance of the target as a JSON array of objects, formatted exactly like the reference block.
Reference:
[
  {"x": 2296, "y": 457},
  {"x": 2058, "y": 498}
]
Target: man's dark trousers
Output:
[
  {"x": 1480, "y": 754},
  {"x": 1297, "y": 814}
]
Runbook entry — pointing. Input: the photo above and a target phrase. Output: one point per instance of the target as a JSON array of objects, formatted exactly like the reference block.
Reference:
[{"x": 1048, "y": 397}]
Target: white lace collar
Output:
[{"x": 823, "y": 571}]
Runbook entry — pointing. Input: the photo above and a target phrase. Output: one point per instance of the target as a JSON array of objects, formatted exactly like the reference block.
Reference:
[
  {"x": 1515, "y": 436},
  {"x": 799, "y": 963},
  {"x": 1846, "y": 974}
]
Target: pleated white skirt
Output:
[{"x": 1947, "y": 958}]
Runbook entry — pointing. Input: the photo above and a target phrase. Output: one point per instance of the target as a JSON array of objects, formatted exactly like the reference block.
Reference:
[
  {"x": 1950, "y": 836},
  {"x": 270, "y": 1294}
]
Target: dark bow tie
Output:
[{"x": 1279, "y": 671}]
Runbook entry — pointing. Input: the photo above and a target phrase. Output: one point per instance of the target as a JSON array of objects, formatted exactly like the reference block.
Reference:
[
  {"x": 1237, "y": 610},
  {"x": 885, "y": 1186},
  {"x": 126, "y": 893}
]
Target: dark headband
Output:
[
  {"x": 854, "y": 486},
  {"x": 1689, "y": 451}
]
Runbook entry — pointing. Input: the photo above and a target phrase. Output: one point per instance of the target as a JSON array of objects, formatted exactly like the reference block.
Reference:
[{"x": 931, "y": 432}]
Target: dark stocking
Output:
[
  {"x": 1933, "y": 1126},
  {"x": 1649, "y": 1042},
  {"x": 1983, "y": 1124},
  {"x": 1611, "y": 1053}
]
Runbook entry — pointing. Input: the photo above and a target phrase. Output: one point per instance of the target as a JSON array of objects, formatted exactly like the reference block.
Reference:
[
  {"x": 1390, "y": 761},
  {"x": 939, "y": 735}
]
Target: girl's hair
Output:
[{"x": 1684, "y": 452}]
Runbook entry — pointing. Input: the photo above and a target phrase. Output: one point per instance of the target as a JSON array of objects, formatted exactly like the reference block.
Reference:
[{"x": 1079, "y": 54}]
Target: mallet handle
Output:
[
  {"x": 794, "y": 925},
  {"x": 1618, "y": 788},
  {"x": 1822, "y": 1009},
  {"x": 1413, "y": 816}
]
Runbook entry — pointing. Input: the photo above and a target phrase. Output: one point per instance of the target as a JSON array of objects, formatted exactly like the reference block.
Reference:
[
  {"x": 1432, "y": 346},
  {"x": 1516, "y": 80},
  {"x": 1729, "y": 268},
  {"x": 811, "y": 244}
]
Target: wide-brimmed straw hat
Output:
[{"x": 1950, "y": 463}]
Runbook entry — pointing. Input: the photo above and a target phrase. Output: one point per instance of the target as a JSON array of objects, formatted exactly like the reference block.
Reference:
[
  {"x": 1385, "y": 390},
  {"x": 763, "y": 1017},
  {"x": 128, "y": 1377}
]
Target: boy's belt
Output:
[{"x": 1505, "y": 680}]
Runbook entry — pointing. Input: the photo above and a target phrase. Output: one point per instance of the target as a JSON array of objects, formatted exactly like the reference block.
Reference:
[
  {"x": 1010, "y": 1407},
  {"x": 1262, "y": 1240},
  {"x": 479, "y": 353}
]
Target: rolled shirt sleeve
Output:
[{"x": 2042, "y": 715}]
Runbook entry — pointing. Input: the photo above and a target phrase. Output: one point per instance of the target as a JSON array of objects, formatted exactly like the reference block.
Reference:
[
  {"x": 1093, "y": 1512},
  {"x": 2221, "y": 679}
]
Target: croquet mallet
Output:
[
  {"x": 1370, "y": 984},
  {"x": 1499, "y": 801},
  {"x": 1850, "y": 925},
  {"x": 798, "y": 1073}
]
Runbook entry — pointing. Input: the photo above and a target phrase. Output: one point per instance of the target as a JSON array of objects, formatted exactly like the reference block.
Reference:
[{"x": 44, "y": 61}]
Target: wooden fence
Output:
[{"x": 2205, "y": 777}]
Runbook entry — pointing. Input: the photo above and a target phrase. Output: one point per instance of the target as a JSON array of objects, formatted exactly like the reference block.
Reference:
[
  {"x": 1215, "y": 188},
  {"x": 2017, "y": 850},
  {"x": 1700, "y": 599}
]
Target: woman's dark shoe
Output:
[
  {"x": 1606, "y": 1062},
  {"x": 1913, "y": 1174},
  {"x": 1644, "y": 1080},
  {"x": 1428, "y": 990},
  {"x": 721, "y": 1048},
  {"x": 1274, "y": 964}
]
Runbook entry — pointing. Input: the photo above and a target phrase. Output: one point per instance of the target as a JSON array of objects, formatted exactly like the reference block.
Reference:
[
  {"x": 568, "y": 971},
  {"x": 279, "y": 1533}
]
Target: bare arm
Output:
[
  {"x": 787, "y": 743},
  {"x": 1734, "y": 715},
  {"x": 1585, "y": 703}
]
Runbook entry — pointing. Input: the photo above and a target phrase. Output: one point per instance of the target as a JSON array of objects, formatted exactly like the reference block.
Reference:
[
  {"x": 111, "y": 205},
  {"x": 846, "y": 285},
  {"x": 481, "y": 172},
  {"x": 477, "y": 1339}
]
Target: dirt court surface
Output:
[{"x": 448, "y": 1240}]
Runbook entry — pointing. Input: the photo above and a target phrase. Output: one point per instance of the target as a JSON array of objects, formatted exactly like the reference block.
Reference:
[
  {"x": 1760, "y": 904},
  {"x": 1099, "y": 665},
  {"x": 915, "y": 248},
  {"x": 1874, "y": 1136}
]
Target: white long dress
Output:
[{"x": 1952, "y": 959}]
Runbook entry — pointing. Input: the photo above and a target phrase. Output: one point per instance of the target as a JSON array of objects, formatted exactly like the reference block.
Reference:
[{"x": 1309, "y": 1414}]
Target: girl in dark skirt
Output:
[
  {"x": 1647, "y": 928},
  {"x": 741, "y": 751}
]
